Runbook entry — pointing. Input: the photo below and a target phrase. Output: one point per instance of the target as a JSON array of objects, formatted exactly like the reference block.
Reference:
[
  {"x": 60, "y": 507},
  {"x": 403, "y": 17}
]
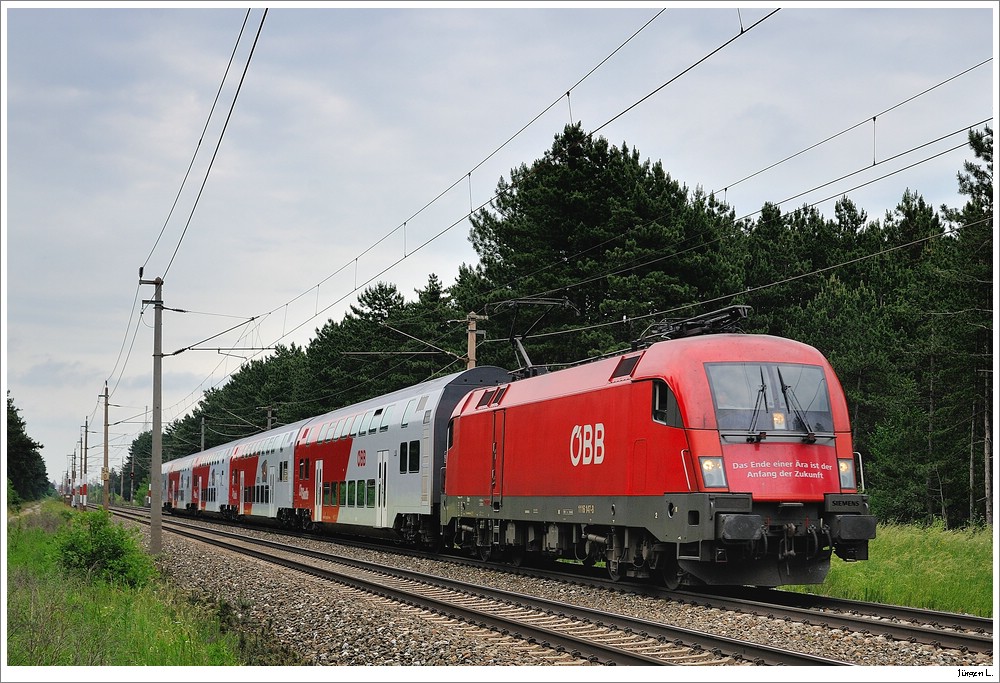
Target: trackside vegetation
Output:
[
  {"x": 929, "y": 567},
  {"x": 81, "y": 591}
]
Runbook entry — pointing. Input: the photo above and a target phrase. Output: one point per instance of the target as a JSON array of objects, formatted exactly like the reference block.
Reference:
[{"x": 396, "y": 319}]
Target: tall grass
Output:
[
  {"x": 929, "y": 567},
  {"x": 57, "y": 617}
]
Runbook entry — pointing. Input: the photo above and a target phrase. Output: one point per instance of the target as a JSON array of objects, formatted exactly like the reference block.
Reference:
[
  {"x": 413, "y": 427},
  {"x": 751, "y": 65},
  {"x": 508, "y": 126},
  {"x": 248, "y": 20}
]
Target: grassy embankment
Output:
[
  {"x": 118, "y": 615},
  {"x": 919, "y": 566}
]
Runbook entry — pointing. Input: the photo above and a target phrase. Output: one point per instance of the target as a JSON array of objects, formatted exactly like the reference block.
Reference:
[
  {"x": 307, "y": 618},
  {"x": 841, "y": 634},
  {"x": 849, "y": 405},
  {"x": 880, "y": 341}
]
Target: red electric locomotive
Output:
[{"x": 714, "y": 459}]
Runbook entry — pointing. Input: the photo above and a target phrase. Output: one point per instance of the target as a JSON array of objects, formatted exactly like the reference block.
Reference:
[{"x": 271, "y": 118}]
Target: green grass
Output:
[
  {"x": 60, "y": 618},
  {"x": 919, "y": 566}
]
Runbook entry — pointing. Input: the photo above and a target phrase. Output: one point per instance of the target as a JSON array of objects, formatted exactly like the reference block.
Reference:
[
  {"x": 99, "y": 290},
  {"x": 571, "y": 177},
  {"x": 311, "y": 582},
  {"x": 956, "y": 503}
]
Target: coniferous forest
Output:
[{"x": 586, "y": 248}]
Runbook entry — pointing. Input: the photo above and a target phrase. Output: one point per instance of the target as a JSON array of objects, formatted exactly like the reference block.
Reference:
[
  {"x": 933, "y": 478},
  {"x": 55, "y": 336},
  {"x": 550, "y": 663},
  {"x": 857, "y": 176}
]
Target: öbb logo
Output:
[{"x": 586, "y": 444}]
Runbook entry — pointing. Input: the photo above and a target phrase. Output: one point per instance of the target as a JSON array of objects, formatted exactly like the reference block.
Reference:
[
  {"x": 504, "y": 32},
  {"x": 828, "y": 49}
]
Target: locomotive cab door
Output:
[{"x": 496, "y": 476}]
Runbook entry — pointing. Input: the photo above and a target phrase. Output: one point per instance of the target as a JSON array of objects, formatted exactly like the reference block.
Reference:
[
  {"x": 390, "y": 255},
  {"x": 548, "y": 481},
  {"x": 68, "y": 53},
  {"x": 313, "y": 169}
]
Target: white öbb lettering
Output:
[{"x": 586, "y": 444}]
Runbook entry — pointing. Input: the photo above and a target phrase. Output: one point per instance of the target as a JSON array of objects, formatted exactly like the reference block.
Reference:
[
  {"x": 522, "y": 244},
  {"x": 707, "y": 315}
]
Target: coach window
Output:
[
  {"x": 403, "y": 458},
  {"x": 414, "y": 456},
  {"x": 283, "y": 471},
  {"x": 386, "y": 416},
  {"x": 408, "y": 413},
  {"x": 345, "y": 428},
  {"x": 365, "y": 421},
  {"x": 376, "y": 418},
  {"x": 665, "y": 409},
  {"x": 343, "y": 493},
  {"x": 371, "y": 493}
]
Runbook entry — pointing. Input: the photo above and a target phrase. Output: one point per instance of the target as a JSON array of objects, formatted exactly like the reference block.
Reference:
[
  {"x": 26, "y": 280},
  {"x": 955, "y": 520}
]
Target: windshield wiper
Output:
[
  {"x": 793, "y": 403},
  {"x": 761, "y": 396}
]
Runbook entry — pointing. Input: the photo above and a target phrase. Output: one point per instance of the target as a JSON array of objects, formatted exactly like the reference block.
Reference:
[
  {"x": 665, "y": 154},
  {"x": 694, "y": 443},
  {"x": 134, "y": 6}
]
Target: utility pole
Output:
[
  {"x": 74, "y": 478},
  {"x": 155, "y": 497},
  {"x": 472, "y": 318},
  {"x": 105, "y": 476},
  {"x": 80, "y": 481},
  {"x": 85, "y": 425}
]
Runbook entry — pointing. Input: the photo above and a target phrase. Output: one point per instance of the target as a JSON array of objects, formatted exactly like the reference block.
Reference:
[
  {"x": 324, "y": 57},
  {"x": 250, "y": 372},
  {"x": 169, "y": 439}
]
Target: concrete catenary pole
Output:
[
  {"x": 85, "y": 473},
  {"x": 155, "y": 495},
  {"x": 471, "y": 352},
  {"x": 105, "y": 475}
]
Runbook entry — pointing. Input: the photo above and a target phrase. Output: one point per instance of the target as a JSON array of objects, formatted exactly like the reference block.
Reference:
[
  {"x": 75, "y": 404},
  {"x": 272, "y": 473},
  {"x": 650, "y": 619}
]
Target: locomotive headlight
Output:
[
  {"x": 712, "y": 472},
  {"x": 847, "y": 479}
]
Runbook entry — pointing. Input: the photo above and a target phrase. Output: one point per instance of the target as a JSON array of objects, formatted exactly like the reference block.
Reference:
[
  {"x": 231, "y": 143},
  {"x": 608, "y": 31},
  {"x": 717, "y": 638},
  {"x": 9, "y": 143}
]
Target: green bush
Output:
[
  {"x": 92, "y": 546},
  {"x": 13, "y": 500}
]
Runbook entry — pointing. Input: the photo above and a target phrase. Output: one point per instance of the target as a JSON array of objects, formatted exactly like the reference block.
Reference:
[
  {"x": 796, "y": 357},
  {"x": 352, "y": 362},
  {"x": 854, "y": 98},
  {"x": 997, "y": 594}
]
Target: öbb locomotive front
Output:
[{"x": 717, "y": 459}]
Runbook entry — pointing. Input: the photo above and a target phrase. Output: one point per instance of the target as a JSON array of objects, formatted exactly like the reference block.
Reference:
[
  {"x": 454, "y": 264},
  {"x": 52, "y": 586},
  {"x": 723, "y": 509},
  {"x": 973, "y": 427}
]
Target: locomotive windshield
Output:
[{"x": 755, "y": 397}]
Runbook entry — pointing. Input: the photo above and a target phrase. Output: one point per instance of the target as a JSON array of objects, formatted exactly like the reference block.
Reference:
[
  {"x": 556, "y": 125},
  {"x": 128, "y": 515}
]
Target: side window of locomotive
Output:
[
  {"x": 665, "y": 409},
  {"x": 403, "y": 458},
  {"x": 451, "y": 434},
  {"x": 414, "y": 456}
]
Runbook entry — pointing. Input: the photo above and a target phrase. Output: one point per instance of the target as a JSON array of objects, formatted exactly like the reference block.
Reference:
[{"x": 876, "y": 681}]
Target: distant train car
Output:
[
  {"x": 717, "y": 459},
  {"x": 373, "y": 468}
]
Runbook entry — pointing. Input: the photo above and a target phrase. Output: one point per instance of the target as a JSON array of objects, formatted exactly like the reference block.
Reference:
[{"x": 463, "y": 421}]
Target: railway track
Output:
[
  {"x": 577, "y": 633},
  {"x": 939, "y": 630}
]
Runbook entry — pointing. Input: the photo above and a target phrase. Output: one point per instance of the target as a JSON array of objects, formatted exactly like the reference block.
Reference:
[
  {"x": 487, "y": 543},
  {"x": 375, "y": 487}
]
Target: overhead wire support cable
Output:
[
  {"x": 197, "y": 148},
  {"x": 469, "y": 173},
  {"x": 710, "y": 54},
  {"x": 218, "y": 144},
  {"x": 858, "y": 124}
]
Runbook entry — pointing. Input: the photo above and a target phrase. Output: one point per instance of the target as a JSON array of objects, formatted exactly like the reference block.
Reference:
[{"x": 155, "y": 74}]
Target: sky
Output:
[{"x": 348, "y": 145}]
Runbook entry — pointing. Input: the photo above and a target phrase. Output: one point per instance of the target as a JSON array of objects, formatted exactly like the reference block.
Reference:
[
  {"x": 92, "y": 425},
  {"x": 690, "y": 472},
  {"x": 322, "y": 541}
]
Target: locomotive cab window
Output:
[
  {"x": 770, "y": 397},
  {"x": 665, "y": 409}
]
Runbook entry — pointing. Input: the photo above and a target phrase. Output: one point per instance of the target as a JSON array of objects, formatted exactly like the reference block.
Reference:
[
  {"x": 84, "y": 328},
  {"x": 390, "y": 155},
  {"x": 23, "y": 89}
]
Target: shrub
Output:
[{"x": 93, "y": 546}]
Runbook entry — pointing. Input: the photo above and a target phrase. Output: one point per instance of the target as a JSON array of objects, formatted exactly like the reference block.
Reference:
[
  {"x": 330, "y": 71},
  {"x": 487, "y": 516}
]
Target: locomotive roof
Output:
[{"x": 670, "y": 359}]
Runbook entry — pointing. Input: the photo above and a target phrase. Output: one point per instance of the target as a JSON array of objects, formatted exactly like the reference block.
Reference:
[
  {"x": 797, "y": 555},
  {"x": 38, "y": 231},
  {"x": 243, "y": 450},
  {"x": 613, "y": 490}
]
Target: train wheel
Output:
[
  {"x": 484, "y": 552},
  {"x": 614, "y": 571},
  {"x": 670, "y": 573}
]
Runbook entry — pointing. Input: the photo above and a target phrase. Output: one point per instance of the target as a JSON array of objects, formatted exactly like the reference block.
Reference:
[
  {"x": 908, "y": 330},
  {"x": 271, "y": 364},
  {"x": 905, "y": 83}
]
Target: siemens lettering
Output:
[{"x": 586, "y": 444}]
